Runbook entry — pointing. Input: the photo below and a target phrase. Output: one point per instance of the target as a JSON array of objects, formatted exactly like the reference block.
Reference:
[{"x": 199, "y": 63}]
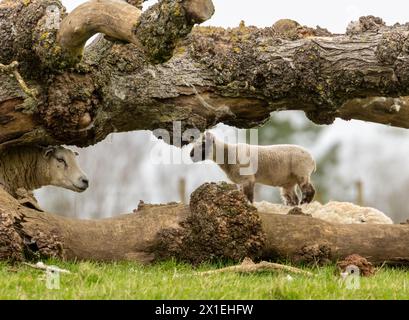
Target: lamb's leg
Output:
[
  {"x": 289, "y": 196},
  {"x": 248, "y": 190},
  {"x": 308, "y": 192}
]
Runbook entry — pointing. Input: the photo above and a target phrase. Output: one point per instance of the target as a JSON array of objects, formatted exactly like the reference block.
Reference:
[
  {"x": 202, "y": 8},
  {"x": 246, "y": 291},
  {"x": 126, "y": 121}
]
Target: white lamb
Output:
[
  {"x": 285, "y": 166},
  {"x": 334, "y": 212}
]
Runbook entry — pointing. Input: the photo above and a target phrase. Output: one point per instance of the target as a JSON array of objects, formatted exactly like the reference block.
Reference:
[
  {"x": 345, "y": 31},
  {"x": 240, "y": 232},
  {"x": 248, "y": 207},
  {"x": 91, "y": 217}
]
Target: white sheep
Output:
[
  {"x": 285, "y": 166},
  {"x": 30, "y": 168},
  {"x": 334, "y": 212}
]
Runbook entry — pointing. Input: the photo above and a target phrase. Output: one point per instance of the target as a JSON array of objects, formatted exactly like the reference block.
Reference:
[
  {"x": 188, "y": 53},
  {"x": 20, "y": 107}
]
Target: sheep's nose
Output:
[{"x": 85, "y": 182}]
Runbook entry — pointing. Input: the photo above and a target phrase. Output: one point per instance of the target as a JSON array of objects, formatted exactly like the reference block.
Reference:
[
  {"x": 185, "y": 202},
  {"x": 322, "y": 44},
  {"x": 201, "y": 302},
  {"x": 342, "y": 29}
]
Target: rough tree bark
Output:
[
  {"x": 219, "y": 224},
  {"x": 241, "y": 74},
  {"x": 150, "y": 69}
]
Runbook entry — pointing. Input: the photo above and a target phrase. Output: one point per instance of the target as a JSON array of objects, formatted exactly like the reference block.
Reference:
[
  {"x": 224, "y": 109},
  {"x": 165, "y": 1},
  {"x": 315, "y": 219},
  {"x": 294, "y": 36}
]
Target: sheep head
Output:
[{"x": 64, "y": 170}]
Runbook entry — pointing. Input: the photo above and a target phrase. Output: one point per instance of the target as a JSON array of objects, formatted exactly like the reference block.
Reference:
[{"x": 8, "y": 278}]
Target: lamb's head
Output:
[
  {"x": 203, "y": 148},
  {"x": 64, "y": 170}
]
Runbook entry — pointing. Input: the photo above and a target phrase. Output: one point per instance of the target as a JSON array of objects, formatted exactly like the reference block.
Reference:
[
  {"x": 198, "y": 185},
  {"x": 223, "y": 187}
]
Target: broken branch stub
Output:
[
  {"x": 162, "y": 26},
  {"x": 113, "y": 18},
  {"x": 199, "y": 10}
]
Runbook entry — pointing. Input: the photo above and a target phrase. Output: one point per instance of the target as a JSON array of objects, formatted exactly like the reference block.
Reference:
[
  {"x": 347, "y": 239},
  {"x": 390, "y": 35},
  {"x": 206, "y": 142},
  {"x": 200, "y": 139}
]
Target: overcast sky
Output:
[{"x": 334, "y": 15}]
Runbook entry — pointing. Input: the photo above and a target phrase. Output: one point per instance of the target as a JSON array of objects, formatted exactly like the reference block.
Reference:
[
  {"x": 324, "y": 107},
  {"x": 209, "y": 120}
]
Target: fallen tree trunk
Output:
[
  {"x": 165, "y": 73},
  {"x": 219, "y": 224}
]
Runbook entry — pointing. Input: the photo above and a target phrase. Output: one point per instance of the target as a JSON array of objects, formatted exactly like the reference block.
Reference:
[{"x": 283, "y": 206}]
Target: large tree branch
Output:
[
  {"x": 240, "y": 76},
  {"x": 237, "y": 76}
]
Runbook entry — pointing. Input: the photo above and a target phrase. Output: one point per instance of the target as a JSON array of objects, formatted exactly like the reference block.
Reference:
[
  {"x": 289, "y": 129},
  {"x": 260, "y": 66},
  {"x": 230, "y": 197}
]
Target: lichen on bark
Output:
[
  {"x": 27, "y": 34},
  {"x": 162, "y": 26}
]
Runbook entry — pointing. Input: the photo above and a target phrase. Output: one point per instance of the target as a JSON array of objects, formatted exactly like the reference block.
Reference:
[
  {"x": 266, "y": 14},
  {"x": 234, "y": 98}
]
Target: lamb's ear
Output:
[{"x": 48, "y": 151}]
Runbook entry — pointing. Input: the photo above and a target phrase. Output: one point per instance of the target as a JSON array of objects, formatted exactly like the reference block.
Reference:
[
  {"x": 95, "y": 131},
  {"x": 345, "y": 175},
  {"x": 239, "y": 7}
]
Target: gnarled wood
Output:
[
  {"x": 114, "y": 18},
  {"x": 157, "y": 30}
]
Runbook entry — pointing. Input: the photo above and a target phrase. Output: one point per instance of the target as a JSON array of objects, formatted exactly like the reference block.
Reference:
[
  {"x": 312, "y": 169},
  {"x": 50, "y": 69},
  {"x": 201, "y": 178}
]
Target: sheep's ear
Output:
[{"x": 48, "y": 152}]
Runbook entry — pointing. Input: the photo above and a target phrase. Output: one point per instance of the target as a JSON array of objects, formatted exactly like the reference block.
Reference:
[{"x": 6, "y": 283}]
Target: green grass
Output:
[{"x": 171, "y": 280}]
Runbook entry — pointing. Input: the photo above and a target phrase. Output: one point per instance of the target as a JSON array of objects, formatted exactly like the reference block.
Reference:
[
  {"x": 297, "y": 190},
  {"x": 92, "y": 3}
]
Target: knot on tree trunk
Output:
[
  {"x": 69, "y": 112},
  {"x": 222, "y": 225}
]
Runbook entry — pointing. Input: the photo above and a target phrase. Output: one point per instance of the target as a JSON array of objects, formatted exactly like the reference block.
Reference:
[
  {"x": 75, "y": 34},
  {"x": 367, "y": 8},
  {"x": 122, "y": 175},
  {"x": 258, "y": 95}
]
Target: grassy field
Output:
[{"x": 177, "y": 281}]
